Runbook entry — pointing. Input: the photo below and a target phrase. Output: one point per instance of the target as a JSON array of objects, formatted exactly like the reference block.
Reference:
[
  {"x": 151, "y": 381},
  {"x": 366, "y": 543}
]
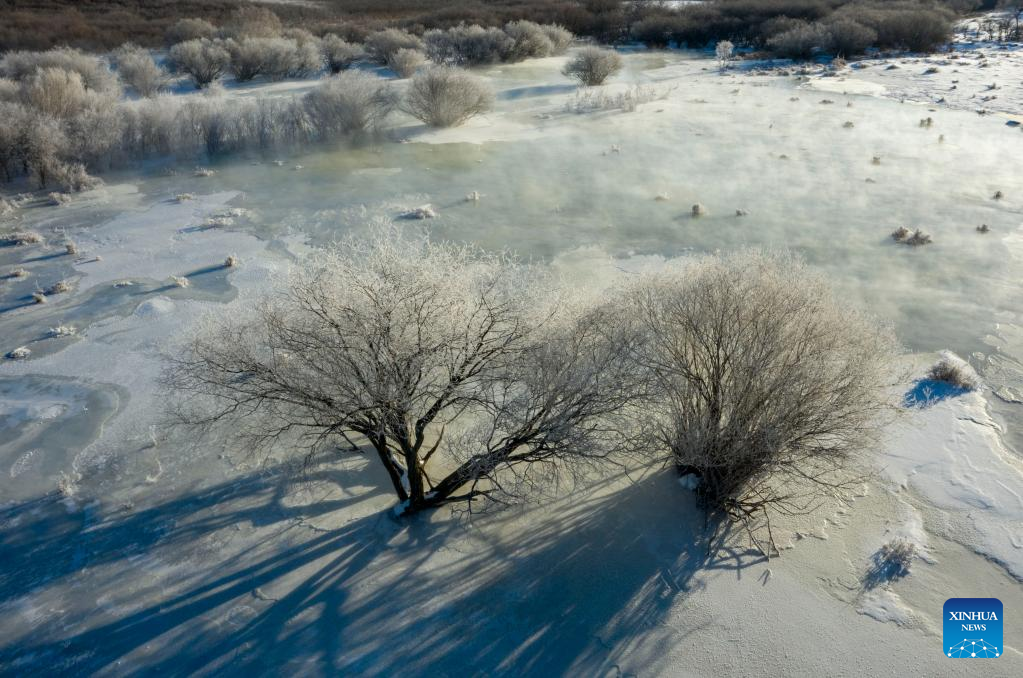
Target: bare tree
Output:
[
  {"x": 189, "y": 29},
  {"x": 761, "y": 384},
  {"x": 380, "y": 46},
  {"x": 443, "y": 96},
  {"x": 593, "y": 65},
  {"x": 465, "y": 372}
]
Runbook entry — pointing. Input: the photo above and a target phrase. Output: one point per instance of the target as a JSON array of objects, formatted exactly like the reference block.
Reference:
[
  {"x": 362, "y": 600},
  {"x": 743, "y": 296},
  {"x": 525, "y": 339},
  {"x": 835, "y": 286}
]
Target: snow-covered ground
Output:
[{"x": 127, "y": 548}]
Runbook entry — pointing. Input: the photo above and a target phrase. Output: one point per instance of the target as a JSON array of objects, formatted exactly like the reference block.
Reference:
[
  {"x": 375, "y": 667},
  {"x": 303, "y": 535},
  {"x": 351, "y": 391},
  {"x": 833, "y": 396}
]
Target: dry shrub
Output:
[
  {"x": 592, "y": 65},
  {"x": 442, "y": 96}
]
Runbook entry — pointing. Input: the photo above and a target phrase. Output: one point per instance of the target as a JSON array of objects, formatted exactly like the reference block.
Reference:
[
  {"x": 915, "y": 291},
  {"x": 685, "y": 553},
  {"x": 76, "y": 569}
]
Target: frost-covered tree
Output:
[
  {"x": 759, "y": 381},
  {"x": 593, "y": 65},
  {"x": 339, "y": 54},
  {"x": 465, "y": 373},
  {"x": 202, "y": 60},
  {"x": 349, "y": 103},
  {"x": 443, "y": 96},
  {"x": 139, "y": 70},
  {"x": 724, "y": 51},
  {"x": 252, "y": 22}
]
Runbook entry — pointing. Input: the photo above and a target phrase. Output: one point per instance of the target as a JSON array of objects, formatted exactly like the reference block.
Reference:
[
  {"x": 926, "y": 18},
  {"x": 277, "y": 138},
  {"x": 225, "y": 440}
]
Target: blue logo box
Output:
[{"x": 972, "y": 628}]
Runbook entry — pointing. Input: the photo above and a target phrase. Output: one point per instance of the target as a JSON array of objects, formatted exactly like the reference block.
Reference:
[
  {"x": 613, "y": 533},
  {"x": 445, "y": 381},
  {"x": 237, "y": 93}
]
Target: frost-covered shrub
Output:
[
  {"x": 848, "y": 38},
  {"x": 202, "y": 60},
  {"x": 184, "y": 30},
  {"x": 72, "y": 177},
  {"x": 529, "y": 41},
  {"x": 20, "y": 353},
  {"x": 10, "y": 90},
  {"x": 593, "y": 65},
  {"x": 19, "y": 238},
  {"x": 139, "y": 70},
  {"x": 276, "y": 58},
  {"x": 467, "y": 45},
  {"x": 592, "y": 100},
  {"x": 892, "y": 561},
  {"x": 31, "y": 142},
  {"x": 349, "y": 103},
  {"x": 56, "y": 92},
  {"x": 95, "y": 73},
  {"x": 405, "y": 62},
  {"x": 248, "y": 57},
  {"x": 951, "y": 369},
  {"x": 442, "y": 96},
  {"x": 382, "y": 45},
  {"x": 724, "y": 51},
  {"x": 59, "y": 287},
  {"x": 338, "y": 53},
  {"x": 559, "y": 36},
  {"x": 800, "y": 42}
]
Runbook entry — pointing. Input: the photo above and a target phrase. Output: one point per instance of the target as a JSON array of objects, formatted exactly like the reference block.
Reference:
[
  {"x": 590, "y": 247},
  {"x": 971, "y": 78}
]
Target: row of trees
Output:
[
  {"x": 471, "y": 376},
  {"x": 801, "y": 28},
  {"x": 297, "y": 53},
  {"x": 54, "y": 128}
]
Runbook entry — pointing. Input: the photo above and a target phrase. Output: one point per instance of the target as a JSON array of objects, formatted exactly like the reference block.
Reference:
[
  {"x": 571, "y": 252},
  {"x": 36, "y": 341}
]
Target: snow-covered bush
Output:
[
  {"x": 443, "y": 96},
  {"x": 139, "y": 70},
  {"x": 276, "y": 58},
  {"x": 202, "y": 60},
  {"x": 514, "y": 387},
  {"x": 953, "y": 370},
  {"x": 760, "y": 381},
  {"x": 20, "y": 238},
  {"x": 593, "y": 65},
  {"x": 184, "y": 30},
  {"x": 351, "y": 102},
  {"x": 248, "y": 57},
  {"x": 339, "y": 54},
  {"x": 382, "y": 45},
  {"x": 405, "y": 62},
  {"x": 529, "y": 41}
]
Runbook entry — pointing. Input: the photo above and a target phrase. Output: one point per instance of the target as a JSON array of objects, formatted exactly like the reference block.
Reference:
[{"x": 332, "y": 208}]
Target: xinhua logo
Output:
[{"x": 972, "y": 628}]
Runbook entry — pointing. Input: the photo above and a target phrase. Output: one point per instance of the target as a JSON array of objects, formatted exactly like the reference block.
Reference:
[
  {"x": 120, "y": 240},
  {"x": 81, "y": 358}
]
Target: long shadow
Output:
[{"x": 563, "y": 594}]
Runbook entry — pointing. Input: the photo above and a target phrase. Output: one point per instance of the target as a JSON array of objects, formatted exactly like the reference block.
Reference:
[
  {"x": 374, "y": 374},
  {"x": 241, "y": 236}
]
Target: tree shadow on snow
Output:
[
  {"x": 927, "y": 392},
  {"x": 569, "y": 591}
]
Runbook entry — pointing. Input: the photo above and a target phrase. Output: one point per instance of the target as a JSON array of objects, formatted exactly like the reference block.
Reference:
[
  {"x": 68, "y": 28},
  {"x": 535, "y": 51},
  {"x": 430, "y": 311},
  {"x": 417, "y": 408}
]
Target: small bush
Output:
[
  {"x": 405, "y": 62},
  {"x": 442, "y": 96},
  {"x": 339, "y": 54},
  {"x": 349, "y": 103},
  {"x": 592, "y": 65},
  {"x": 953, "y": 370},
  {"x": 139, "y": 70},
  {"x": 382, "y": 45},
  {"x": 724, "y": 51},
  {"x": 202, "y": 60}
]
